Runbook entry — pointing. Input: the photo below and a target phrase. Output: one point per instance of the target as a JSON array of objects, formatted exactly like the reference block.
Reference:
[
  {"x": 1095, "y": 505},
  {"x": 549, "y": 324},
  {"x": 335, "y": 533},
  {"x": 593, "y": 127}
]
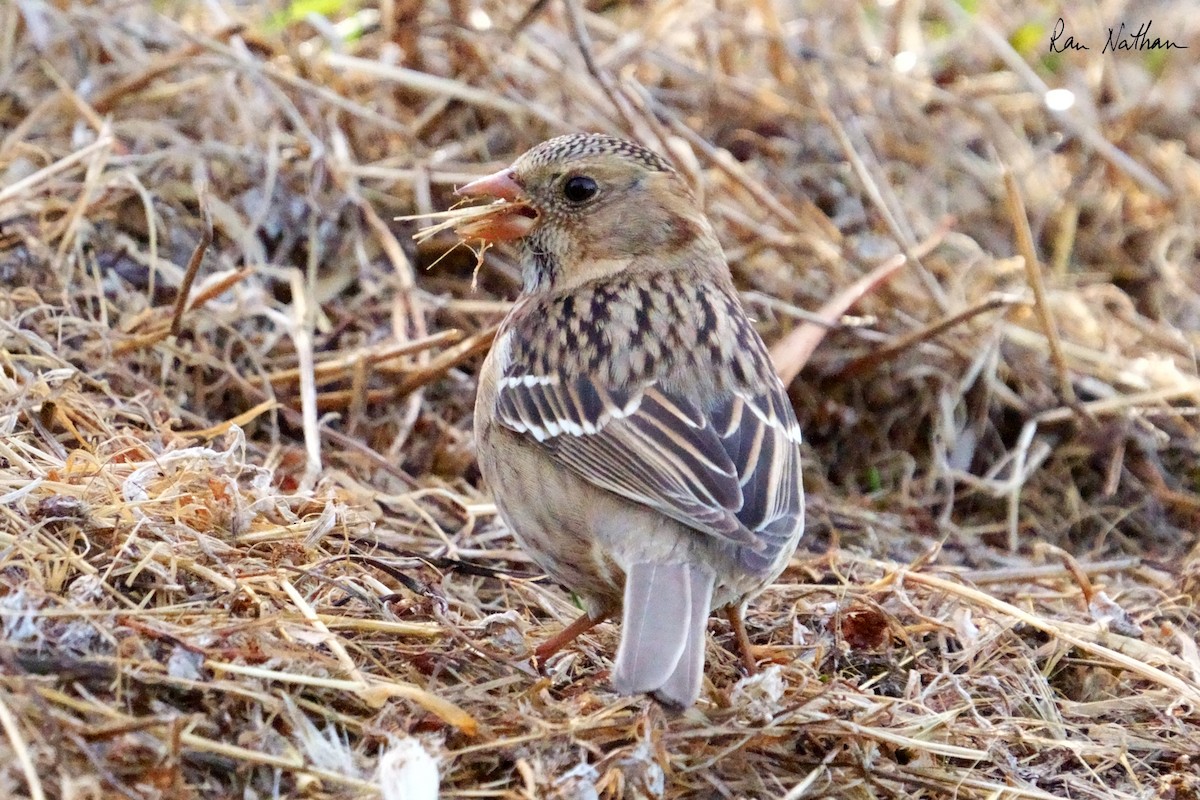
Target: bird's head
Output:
[{"x": 587, "y": 206}]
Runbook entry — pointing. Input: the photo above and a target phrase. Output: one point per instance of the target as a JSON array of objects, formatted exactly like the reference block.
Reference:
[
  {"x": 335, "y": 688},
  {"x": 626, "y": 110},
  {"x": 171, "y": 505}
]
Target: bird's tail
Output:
[{"x": 663, "y": 632}]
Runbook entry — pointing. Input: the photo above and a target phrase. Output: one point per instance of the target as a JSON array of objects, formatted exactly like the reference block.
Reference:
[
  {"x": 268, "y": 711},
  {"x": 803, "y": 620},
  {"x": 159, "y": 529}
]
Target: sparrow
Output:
[{"x": 639, "y": 444}]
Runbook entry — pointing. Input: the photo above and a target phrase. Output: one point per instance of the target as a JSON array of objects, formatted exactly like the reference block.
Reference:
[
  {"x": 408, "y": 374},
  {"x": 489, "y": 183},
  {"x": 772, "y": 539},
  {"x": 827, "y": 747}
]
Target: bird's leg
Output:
[
  {"x": 558, "y": 641},
  {"x": 734, "y": 615}
]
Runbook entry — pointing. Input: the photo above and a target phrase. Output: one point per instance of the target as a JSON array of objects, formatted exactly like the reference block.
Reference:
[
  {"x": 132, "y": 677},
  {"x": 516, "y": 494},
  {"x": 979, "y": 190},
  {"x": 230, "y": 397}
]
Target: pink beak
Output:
[
  {"x": 512, "y": 219},
  {"x": 501, "y": 185}
]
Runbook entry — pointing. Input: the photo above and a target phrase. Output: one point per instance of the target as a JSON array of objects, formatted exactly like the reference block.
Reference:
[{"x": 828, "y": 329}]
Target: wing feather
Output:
[{"x": 731, "y": 469}]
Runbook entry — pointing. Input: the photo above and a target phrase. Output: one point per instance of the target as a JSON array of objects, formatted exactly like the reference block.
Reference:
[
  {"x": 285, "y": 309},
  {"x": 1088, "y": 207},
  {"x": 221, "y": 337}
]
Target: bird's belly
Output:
[
  {"x": 584, "y": 536},
  {"x": 551, "y": 513}
]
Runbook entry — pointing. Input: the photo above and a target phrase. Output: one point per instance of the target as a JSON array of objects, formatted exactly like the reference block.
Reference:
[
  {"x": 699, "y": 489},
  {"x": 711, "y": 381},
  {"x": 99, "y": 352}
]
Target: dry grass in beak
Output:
[
  {"x": 456, "y": 219},
  {"x": 500, "y": 221},
  {"x": 493, "y": 222}
]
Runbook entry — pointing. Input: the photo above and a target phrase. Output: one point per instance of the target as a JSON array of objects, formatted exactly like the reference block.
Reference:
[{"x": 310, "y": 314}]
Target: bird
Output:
[{"x": 629, "y": 422}]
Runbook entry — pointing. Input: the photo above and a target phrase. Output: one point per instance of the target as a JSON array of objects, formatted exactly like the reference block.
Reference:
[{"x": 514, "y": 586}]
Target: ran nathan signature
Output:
[{"x": 1118, "y": 39}]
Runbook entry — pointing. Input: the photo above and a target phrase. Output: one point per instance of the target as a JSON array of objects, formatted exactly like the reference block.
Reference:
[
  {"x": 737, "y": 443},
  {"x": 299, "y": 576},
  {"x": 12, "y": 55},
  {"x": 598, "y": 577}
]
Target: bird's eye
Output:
[{"x": 580, "y": 188}]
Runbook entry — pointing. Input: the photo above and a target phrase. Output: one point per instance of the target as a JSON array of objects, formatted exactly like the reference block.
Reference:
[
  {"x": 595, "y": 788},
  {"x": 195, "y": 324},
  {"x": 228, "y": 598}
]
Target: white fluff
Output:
[{"x": 407, "y": 771}]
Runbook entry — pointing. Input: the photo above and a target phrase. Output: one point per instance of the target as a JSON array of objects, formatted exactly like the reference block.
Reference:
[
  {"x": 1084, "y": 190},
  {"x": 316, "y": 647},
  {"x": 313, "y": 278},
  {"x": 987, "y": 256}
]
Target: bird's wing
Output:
[{"x": 731, "y": 469}]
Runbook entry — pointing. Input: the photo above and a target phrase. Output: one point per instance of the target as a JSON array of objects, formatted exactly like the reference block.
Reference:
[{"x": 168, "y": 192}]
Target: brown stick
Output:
[
  {"x": 1033, "y": 271},
  {"x": 189, "y": 275},
  {"x": 792, "y": 352},
  {"x": 873, "y": 359}
]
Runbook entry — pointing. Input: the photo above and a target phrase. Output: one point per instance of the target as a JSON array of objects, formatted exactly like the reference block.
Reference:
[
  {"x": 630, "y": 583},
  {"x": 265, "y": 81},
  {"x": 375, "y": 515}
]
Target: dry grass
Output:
[{"x": 244, "y": 551}]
